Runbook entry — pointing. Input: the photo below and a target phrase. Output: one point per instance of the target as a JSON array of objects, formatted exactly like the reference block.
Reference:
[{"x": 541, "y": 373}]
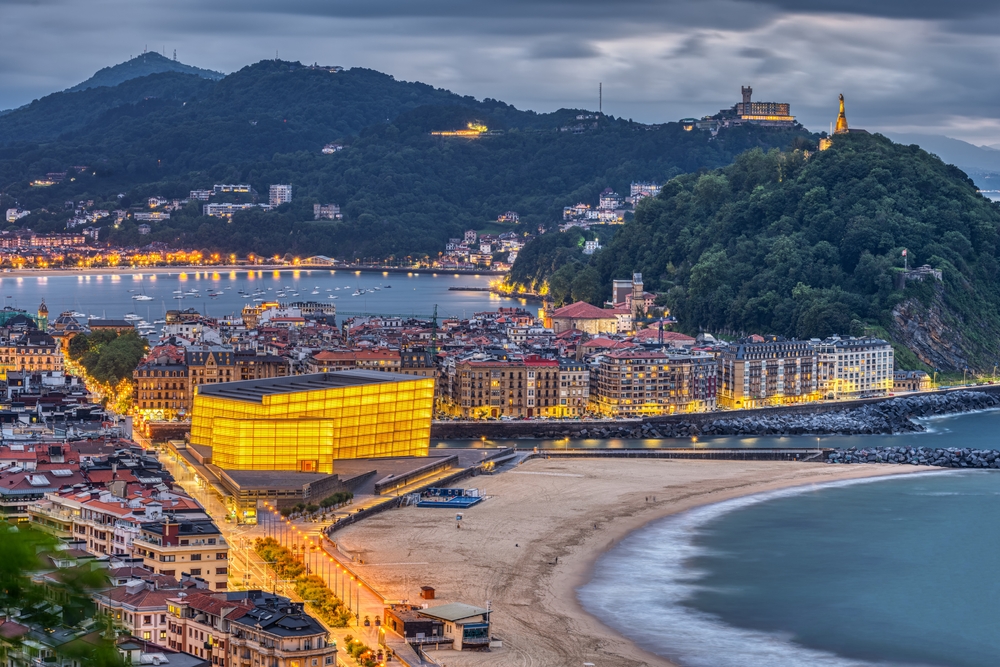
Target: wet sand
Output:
[{"x": 527, "y": 548}]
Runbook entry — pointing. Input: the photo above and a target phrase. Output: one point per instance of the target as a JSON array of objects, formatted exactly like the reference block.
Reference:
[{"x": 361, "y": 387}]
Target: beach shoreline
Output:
[{"x": 530, "y": 558}]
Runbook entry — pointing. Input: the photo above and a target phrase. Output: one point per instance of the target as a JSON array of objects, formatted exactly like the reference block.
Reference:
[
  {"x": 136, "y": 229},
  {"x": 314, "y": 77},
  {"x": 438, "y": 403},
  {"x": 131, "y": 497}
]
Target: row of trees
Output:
[{"x": 108, "y": 356}]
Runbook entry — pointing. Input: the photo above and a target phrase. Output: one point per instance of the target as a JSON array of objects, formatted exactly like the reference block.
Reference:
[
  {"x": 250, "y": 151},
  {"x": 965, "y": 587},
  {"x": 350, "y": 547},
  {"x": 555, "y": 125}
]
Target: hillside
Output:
[
  {"x": 402, "y": 191},
  {"x": 808, "y": 247},
  {"x": 141, "y": 65}
]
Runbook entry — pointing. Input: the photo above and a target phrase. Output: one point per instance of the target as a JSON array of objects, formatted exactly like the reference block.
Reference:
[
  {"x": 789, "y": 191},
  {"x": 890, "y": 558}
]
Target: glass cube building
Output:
[{"x": 306, "y": 422}]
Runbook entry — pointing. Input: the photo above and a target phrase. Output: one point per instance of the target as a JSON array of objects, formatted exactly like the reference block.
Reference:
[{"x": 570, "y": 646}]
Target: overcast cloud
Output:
[{"x": 907, "y": 66}]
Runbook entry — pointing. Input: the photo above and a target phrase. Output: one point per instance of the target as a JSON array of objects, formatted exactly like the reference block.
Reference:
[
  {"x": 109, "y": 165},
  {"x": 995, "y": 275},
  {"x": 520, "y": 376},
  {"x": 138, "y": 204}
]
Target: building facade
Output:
[
  {"x": 758, "y": 372},
  {"x": 178, "y": 547},
  {"x": 305, "y": 422},
  {"x": 636, "y": 383},
  {"x": 854, "y": 367}
]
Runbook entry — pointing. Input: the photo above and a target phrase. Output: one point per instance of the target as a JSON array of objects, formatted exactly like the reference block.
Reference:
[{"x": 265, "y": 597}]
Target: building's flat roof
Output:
[
  {"x": 454, "y": 612},
  {"x": 254, "y": 391}
]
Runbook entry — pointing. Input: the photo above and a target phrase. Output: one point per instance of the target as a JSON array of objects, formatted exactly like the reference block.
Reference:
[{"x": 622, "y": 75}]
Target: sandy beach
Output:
[{"x": 572, "y": 510}]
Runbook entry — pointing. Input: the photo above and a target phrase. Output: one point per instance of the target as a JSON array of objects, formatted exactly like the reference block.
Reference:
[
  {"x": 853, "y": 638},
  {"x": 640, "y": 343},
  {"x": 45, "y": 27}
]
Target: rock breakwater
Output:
[
  {"x": 952, "y": 457},
  {"x": 896, "y": 415}
]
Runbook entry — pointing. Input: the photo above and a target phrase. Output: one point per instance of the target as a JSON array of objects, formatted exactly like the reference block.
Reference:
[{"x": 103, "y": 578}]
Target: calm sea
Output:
[
  {"x": 900, "y": 571},
  {"x": 110, "y": 296}
]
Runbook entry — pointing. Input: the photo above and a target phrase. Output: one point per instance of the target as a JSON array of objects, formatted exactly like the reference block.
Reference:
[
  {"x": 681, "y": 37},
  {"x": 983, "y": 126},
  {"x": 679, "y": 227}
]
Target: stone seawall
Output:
[{"x": 875, "y": 416}]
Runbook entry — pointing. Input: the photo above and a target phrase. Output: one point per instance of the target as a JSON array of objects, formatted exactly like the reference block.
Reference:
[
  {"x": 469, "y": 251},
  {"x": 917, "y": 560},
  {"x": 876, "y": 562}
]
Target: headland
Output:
[{"x": 537, "y": 537}]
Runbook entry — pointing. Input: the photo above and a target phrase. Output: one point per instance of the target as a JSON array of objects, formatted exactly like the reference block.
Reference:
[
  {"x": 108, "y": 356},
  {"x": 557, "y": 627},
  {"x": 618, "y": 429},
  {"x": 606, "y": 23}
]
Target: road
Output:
[{"x": 247, "y": 569}]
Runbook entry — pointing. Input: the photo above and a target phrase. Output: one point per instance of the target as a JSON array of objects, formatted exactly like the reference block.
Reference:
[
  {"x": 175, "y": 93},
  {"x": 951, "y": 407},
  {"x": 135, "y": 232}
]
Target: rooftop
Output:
[
  {"x": 254, "y": 391},
  {"x": 456, "y": 611}
]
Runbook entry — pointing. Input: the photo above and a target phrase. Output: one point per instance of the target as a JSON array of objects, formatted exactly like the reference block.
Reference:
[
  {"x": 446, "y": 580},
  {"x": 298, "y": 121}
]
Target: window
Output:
[
  {"x": 220, "y": 557},
  {"x": 147, "y": 620},
  {"x": 221, "y": 570},
  {"x": 147, "y": 635},
  {"x": 195, "y": 556},
  {"x": 195, "y": 572}
]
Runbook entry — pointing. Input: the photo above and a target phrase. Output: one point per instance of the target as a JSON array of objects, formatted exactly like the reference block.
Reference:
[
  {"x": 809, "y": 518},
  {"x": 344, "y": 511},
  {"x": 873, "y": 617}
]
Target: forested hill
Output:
[
  {"x": 402, "y": 191},
  {"x": 800, "y": 246},
  {"x": 142, "y": 65}
]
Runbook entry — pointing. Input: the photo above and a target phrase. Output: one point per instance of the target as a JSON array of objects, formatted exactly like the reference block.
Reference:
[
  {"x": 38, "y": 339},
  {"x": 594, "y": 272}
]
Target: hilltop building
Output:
[
  {"x": 766, "y": 114},
  {"x": 279, "y": 194}
]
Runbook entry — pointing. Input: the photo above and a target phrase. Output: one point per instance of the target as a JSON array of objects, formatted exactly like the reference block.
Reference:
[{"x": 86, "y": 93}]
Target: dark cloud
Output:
[
  {"x": 564, "y": 48},
  {"x": 657, "y": 59}
]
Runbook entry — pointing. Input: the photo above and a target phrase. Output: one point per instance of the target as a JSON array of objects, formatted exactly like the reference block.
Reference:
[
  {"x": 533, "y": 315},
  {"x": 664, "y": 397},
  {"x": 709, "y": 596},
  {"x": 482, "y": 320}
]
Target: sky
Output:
[{"x": 912, "y": 66}]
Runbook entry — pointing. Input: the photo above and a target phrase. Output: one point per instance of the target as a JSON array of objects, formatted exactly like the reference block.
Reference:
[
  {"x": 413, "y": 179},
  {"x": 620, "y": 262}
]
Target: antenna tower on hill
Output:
[{"x": 600, "y": 98}]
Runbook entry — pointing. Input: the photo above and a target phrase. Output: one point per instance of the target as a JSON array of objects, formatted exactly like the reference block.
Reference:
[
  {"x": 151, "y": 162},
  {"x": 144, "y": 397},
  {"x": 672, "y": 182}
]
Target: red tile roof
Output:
[{"x": 582, "y": 310}]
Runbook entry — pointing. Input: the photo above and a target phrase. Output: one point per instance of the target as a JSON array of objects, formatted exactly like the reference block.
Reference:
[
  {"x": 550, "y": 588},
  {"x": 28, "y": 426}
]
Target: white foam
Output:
[{"x": 655, "y": 617}]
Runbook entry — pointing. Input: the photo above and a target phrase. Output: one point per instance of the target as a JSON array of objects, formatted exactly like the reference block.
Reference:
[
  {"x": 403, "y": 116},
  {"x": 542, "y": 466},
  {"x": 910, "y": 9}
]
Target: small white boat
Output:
[
  {"x": 77, "y": 313},
  {"x": 177, "y": 291},
  {"x": 315, "y": 291},
  {"x": 142, "y": 297},
  {"x": 159, "y": 321},
  {"x": 132, "y": 317},
  {"x": 178, "y": 296}
]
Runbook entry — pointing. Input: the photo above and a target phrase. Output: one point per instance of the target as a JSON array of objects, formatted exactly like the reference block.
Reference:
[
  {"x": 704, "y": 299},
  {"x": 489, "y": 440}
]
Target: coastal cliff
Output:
[{"x": 932, "y": 332}]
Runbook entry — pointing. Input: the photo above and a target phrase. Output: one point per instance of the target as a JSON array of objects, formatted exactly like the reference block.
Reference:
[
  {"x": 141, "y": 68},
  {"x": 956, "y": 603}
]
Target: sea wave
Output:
[{"x": 656, "y": 617}]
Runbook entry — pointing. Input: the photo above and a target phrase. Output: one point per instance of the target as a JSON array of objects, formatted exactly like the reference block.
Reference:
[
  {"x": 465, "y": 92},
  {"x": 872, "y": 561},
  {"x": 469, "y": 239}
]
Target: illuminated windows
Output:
[{"x": 304, "y": 423}]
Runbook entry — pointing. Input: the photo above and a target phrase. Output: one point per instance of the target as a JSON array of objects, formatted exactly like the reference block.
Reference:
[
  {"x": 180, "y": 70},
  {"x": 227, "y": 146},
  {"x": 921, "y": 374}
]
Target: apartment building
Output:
[
  {"x": 175, "y": 547},
  {"x": 329, "y": 361},
  {"x": 248, "y": 629},
  {"x": 854, "y": 367},
  {"x": 163, "y": 385},
  {"x": 636, "y": 382},
  {"x": 542, "y": 398},
  {"x": 756, "y": 372},
  {"x": 490, "y": 388},
  {"x": 31, "y": 352},
  {"x": 105, "y": 523},
  {"x": 279, "y": 194},
  {"x": 574, "y": 389}
]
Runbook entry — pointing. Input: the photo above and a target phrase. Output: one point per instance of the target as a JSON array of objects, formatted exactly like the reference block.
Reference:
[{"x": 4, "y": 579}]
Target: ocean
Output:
[{"x": 894, "y": 571}]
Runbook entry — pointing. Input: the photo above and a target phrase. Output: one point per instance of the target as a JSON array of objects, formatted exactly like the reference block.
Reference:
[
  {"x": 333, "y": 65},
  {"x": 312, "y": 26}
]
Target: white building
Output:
[
  {"x": 280, "y": 194},
  {"x": 144, "y": 230},
  {"x": 854, "y": 367},
  {"x": 227, "y": 210},
  {"x": 151, "y": 216},
  {"x": 590, "y": 247},
  {"x": 641, "y": 190},
  {"x": 200, "y": 195},
  {"x": 326, "y": 212},
  {"x": 228, "y": 187},
  {"x": 15, "y": 214}
]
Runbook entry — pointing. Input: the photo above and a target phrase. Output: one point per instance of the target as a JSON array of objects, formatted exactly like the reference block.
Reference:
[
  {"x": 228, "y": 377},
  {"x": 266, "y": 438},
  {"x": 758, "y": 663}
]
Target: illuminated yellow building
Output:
[
  {"x": 304, "y": 423},
  {"x": 474, "y": 130}
]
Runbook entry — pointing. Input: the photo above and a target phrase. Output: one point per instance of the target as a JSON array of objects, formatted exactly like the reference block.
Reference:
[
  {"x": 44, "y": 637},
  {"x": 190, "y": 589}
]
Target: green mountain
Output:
[
  {"x": 141, "y": 65},
  {"x": 808, "y": 246},
  {"x": 403, "y": 192}
]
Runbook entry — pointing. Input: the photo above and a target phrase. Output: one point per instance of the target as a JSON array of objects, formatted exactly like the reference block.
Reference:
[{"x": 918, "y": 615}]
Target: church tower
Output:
[
  {"x": 43, "y": 317},
  {"x": 841, "y": 119},
  {"x": 747, "y": 95}
]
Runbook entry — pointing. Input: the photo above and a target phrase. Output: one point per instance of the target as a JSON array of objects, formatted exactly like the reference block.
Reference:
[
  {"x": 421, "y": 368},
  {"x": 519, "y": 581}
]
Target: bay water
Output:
[
  {"x": 892, "y": 571},
  {"x": 110, "y": 296}
]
